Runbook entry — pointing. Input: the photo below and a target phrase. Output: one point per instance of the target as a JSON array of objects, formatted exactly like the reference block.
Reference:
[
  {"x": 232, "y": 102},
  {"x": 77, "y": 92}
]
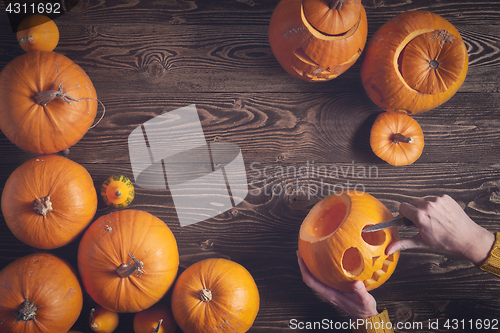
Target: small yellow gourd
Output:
[{"x": 117, "y": 191}]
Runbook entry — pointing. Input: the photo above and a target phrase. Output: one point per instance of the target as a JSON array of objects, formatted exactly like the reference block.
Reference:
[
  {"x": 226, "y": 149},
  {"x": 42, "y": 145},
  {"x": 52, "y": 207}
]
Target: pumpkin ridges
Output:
[
  {"x": 233, "y": 289},
  {"x": 50, "y": 283},
  {"x": 108, "y": 242},
  {"x": 40, "y": 71}
]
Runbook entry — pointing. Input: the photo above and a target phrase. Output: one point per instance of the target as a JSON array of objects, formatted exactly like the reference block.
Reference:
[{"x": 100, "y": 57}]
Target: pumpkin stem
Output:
[
  {"x": 43, "y": 206},
  {"x": 206, "y": 295},
  {"x": 433, "y": 64},
  {"x": 43, "y": 98},
  {"x": 28, "y": 38},
  {"x": 133, "y": 266},
  {"x": 336, "y": 4},
  {"x": 92, "y": 322},
  {"x": 157, "y": 328},
  {"x": 27, "y": 311},
  {"x": 398, "y": 137},
  {"x": 118, "y": 194}
]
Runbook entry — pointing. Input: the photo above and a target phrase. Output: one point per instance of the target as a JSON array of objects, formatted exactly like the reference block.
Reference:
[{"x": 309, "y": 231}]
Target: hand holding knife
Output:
[{"x": 396, "y": 222}]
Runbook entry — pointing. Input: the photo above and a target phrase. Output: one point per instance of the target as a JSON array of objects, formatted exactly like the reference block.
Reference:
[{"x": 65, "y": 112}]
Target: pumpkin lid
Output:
[{"x": 332, "y": 17}]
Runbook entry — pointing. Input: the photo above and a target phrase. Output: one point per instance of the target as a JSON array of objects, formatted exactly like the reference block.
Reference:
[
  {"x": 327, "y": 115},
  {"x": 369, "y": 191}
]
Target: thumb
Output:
[
  {"x": 406, "y": 244},
  {"x": 359, "y": 290}
]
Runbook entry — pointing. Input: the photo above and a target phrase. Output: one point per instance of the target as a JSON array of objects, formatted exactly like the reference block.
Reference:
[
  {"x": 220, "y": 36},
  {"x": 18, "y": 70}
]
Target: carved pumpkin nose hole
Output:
[
  {"x": 352, "y": 262},
  {"x": 375, "y": 238},
  {"x": 374, "y": 260}
]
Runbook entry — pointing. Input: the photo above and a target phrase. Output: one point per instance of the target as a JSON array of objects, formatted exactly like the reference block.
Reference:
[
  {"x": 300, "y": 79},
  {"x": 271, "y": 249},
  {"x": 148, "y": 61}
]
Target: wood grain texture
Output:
[{"x": 300, "y": 142}]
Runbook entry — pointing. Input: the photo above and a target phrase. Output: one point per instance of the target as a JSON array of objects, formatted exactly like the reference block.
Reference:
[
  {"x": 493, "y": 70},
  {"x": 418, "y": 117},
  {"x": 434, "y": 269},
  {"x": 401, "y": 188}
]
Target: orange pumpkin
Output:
[
  {"x": 47, "y": 102},
  {"x": 48, "y": 201},
  {"x": 40, "y": 293},
  {"x": 215, "y": 295},
  {"x": 37, "y": 33},
  {"x": 337, "y": 251},
  {"x": 156, "y": 319},
  {"x": 397, "y": 138},
  {"x": 102, "y": 320},
  {"x": 317, "y": 40},
  {"x": 414, "y": 63},
  {"x": 128, "y": 260}
]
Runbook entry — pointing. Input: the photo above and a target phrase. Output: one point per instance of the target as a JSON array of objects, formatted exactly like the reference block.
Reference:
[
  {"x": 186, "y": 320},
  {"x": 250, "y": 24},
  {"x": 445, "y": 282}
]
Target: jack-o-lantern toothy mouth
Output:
[{"x": 379, "y": 273}]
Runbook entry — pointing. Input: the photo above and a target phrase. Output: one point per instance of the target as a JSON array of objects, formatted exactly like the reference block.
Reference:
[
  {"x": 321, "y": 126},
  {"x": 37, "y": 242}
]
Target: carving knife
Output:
[
  {"x": 398, "y": 221},
  {"x": 395, "y": 222}
]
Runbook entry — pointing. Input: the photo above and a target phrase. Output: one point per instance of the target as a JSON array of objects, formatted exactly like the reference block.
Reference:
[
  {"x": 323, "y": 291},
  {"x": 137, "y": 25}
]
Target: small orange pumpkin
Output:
[
  {"x": 414, "y": 63},
  {"x": 47, "y": 102},
  {"x": 37, "y": 33},
  {"x": 397, "y": 138},
  {"x": 39, "y": 288},
  {"x": 317, "y": 40},
  {"x": 48, "y": 201},
  {"x": 102, "y": 320},
  {"x": 117, "y": 191},
  {"x": 156, "y": 319},
  {"x": 215, "y": 295},
  {"x": 128, "y": 260},
  {"x": 337, "y": 251}
]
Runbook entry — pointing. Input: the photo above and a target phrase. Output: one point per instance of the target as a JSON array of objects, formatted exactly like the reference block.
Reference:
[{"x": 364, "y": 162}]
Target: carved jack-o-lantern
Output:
[
  {"x": 337, "y": 251},
  {"x": 317, "y": 40}
]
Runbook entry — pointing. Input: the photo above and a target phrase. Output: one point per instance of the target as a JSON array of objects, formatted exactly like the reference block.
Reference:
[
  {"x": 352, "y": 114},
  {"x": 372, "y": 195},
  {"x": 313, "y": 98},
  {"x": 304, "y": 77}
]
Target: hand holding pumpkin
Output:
[
  {"x": 359, "y": 304},
  {"x": 444, "y": 226}
]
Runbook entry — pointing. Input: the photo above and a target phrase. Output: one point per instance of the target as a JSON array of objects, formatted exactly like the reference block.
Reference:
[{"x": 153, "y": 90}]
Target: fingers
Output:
[{"x": 414, "y": 242}]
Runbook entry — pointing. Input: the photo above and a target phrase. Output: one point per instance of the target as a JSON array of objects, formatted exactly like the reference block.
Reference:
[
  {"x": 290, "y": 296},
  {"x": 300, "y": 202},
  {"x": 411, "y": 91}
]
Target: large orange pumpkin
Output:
[
  {"x": 317, "y": 40},
  {"x": 414, "y": 63},
  {"x": 48, "y": 201},
  {"x": 128, "y": 260},
  {"x": 37, "y": 33},
  {"x": 215, "y": 295},
  {"x": 337, "y": 251},
  {"x": 39, "y": 293},
  {"x": 397, "y": 138},
  {"x": 47, "y": 102}
]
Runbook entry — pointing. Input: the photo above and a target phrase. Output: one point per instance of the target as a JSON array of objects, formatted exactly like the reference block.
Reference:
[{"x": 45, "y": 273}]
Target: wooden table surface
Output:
[{"x": 146, "y": 58}]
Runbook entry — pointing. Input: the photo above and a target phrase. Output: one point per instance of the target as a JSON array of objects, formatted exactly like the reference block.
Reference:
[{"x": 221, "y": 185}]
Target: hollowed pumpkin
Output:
[
  {"x": 317, "y": 40},
  {"x": 414, "y": 63},
  {"x": 397, "y": 138},
  {"x": 337, "y": 252}
]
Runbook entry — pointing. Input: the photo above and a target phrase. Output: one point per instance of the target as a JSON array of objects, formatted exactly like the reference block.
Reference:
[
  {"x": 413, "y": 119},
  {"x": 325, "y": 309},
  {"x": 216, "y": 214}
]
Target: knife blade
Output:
[{"x": 395, "y": 222}]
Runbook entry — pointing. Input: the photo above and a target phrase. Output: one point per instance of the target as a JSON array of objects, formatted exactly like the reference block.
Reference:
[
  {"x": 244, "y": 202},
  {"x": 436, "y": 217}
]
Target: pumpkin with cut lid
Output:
[
  {"x": 414, "y": 63},
  {"x": 337, "y": 251},
  {"x": 317, "y": 40}
]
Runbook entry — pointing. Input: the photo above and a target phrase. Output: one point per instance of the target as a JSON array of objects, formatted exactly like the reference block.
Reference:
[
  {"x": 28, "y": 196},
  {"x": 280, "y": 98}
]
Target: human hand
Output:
[
  {"x": 444, "y": 226},
  {"x": 359, "y": 304}
]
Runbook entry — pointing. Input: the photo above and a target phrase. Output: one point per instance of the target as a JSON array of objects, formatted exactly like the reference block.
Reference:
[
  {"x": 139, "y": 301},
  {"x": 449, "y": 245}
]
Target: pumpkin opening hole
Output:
[
  {"x": 375, "y": 238},
  {"x": 352, "y": 262},
  {"x": 329, "y": 220}
]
